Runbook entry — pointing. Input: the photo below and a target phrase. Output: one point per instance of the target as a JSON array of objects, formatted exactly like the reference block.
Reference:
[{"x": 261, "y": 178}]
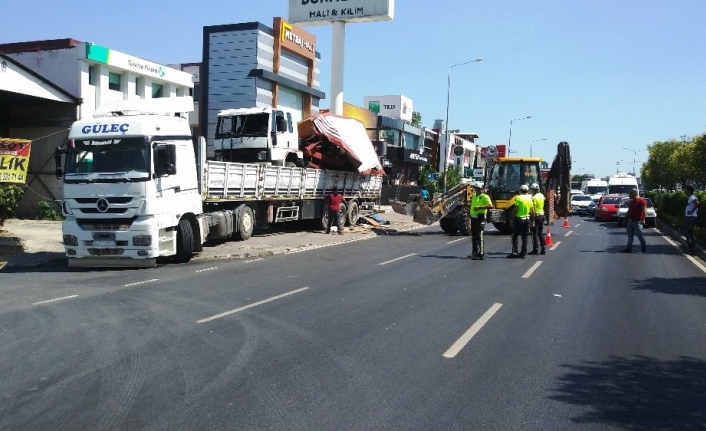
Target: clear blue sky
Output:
[{"x": 600, "y": 74}]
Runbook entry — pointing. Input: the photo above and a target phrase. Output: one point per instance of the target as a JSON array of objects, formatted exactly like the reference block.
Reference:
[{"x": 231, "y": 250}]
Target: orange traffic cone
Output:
[
  {"x": 548, "y": 238},
  {"x": 566, "y": 222}
]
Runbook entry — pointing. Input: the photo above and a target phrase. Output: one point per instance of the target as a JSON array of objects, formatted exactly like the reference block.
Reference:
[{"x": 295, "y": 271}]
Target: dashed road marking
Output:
[
  {"x": 457, "y": 240},
  {"x": 396, "y": 259},
  {"x": 569, "y": 233},
  {"x": 206, "y": 269},
  {"x": 254, "y": 304},
  {"x": 472, "y": 331},
  {"x": 578, "y": 224},
  {"x": 55, "y": 299},
  {"x": 532, "y": 269},
  {"x": 556, "y": 244},
  {"x": 140, "y": 282}
]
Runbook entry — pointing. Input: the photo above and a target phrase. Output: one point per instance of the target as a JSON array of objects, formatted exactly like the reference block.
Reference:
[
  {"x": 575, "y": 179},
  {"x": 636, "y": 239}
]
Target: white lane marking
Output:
[
  {"x": 141, "y": 282},
  {"x": 557, "y": 295},
  {"x": 395, "y": 260},
  {"x": 569, "y": 233},
  {"x": 556, "y": 244},
  {"x": 55, "y": 299},
  {"x": 206, "y": 269},
  {"x": 579, "y": 224},
  {"x": 253, "y": 260},
  {"x": 531, "y": 270},
  {"x": 472, "y": 331},
  {"x": 254, "y": 304},
  {"x": 456, "y": 240},
  {"x": 691, "y": 258}
]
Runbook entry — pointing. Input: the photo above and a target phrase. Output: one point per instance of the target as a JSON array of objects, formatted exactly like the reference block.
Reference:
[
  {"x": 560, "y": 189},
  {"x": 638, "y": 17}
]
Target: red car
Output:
[{"x": 607, "y": 209}]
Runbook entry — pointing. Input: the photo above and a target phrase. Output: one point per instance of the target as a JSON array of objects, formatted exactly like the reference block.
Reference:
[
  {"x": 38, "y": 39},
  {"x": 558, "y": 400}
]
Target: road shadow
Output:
[
  {"x": 693, "y": 286},
  {"x": 651, "y": 249},
  {"x": 439, "y": 256},
  {"x": 637, "y": 393}
]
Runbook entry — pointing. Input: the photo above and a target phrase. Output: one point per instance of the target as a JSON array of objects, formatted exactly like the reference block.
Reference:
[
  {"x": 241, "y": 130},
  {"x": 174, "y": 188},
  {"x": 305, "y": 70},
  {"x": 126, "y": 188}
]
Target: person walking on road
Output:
[
  {"x": 635, "y": 220},
  {"x": 334, "y": 200},
  {"x": 524, "y": 218},
  {"x": 690, "y": 214},
  {"x": 480, "y": 204},
  {"x": 538, "y": 228}
]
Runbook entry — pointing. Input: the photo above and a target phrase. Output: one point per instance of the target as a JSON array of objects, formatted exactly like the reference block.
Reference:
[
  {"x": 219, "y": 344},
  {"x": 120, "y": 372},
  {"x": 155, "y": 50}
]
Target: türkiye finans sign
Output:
[
  {"x": 14, "y": 160},
  {"x": 322, "y": 12}
]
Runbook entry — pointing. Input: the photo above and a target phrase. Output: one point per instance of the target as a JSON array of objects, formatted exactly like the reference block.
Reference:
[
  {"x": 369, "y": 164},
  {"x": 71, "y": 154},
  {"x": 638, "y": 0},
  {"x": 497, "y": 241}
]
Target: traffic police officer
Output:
[
  {"x": 538, "y": 228},
  {"x": 480, "y": 204},
  {"x": 524, "y": 217}
]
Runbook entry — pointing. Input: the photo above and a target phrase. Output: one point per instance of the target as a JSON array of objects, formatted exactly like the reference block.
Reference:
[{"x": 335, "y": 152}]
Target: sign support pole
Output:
[{"x": 337, "y": 56}]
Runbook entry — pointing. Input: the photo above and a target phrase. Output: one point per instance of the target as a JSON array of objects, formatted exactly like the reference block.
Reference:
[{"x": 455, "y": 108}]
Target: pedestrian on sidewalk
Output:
[
  {"x": 524, "y": 217},
  {"x": 690, "y": 213},
  {"x": 334, "y": 200},
  {"x": 424, "y": 193},
  {"x": 635, "y": 220},
  {"x": 538, "y": 228},
  {"x": 480, "y": 204}
]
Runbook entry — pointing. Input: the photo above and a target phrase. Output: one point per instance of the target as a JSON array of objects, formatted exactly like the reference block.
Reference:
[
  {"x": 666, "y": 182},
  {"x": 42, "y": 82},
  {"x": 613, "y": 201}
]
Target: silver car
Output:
[{"x": 650, "y": 220}]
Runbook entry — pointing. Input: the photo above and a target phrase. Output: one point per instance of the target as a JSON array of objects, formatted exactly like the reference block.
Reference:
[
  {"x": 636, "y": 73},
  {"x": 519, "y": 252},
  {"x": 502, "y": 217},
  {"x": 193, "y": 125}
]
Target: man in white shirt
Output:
[{"x": 690, "y": 213}]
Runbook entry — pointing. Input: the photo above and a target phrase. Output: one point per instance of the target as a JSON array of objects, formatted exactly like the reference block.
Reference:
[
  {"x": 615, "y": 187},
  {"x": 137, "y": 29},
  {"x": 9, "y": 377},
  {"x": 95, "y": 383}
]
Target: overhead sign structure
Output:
[
  {"x": 322, "y": 12},
  {"x": 14, "y": 160}
]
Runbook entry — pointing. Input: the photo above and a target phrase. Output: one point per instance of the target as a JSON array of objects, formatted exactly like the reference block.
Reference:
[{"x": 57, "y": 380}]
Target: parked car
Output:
[
  {"x": 582, "y": 204},
  {"x": 650, "y": 220},
  {"x": 576, "y": 192},
  {"x": 607, "y": 209}
]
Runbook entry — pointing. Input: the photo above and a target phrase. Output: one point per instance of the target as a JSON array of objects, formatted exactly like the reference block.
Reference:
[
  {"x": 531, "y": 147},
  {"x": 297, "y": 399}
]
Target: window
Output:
[
  {"x": 140, "y": 86},
  {"x": 91, "y": 75},
  {"x": 157, "y": 90},
  {"x": 114, "y": 81}
]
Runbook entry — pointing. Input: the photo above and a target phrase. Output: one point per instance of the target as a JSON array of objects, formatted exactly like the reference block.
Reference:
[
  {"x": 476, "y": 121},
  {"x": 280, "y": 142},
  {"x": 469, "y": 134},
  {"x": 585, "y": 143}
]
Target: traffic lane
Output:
[
  {"x": 587, "y": 358},
  {"x": 135, "y": 351}
]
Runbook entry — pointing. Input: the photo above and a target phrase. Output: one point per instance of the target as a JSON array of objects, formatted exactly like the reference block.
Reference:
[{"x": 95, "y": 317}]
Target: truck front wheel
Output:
[
  {"x": 448, "y": 225},
  {"x": 185, "y": 242}
]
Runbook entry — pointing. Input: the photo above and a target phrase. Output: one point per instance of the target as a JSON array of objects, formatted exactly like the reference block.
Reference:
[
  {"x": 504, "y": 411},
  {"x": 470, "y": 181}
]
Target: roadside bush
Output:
[
  {"x": 10, "y": 196},
  {"x": 670, "y": 210},
  {"x": 47, "y": 211}
]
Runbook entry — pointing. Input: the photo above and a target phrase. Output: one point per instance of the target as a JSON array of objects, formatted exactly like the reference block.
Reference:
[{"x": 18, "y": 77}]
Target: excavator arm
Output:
[
  {"x": 558, "y": 183},
  {"x": 429, "y": 212}
]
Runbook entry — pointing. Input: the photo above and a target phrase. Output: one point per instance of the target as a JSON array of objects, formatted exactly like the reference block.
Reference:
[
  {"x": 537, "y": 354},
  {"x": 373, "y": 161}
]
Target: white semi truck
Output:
[{"x": 137, "y": 187}]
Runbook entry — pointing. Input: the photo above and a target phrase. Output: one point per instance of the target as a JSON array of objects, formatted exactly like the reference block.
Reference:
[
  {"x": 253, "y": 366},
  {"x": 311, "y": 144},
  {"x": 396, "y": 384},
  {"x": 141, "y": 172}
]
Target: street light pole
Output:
[
  {"x": 510, "y": 138},
  {"x": 634, "y": 156},
  {"x": 448, "y": 100},
  {"x": 536, "y": 140}
]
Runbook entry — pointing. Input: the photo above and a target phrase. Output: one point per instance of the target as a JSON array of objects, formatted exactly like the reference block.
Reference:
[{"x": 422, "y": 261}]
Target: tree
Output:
[
  {"x": 416, "y": 119},
  {"x": 659, "y": 169},
  {"x": 453, "y": 179},
  {"x": 424, "y": 172}
]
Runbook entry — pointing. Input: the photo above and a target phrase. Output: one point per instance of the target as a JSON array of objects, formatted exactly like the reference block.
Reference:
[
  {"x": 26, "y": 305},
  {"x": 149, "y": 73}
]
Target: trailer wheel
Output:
[
  {"x": 464, "y": 222},
  {"x": 246, "y": 224},
  {"x": 448, "y": 225},
  {"x": 352, "y": 214},
  {"x": 324, "y": 217},
  {"x": 185, "y": 242}
]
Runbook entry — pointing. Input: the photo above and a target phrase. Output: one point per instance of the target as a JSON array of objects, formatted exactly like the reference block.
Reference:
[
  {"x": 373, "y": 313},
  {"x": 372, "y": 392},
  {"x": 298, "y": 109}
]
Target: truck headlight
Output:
[
  {"x": 141, "y": 208},
  {"x": 71, "y": 240},
  {"x": 142, "y": 240},
  {"x": 67, "y": 209}
]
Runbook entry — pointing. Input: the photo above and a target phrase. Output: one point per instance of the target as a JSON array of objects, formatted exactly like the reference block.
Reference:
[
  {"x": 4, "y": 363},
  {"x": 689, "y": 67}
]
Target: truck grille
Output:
[
  {"x": 111, "y": 200},
  {"x": 109, "y": 225},
  {"x": 108, "y": 211},
  {"x": 106, "y": 251}
]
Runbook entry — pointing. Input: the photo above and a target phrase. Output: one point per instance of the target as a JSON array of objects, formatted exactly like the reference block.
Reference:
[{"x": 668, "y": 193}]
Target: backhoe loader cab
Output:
[{"x": 506, "y": 176}]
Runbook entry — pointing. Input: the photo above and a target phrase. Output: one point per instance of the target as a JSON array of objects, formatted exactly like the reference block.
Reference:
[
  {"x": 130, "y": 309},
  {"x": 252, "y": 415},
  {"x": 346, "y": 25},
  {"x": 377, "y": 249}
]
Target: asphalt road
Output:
[{"x": 399, "y": 332}]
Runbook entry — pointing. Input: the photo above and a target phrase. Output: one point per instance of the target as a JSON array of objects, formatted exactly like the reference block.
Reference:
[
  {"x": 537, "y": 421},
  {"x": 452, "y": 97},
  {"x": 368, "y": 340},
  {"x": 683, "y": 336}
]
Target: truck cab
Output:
[
  {"x": 258, "y": 135},
  {"x": 130, "y": 178}
]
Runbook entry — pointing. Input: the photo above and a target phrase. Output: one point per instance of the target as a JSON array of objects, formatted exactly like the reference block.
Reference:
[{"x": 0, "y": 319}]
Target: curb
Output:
[
  {"x": 677, "y": 236},
  {"x": 11, "y": 245}
]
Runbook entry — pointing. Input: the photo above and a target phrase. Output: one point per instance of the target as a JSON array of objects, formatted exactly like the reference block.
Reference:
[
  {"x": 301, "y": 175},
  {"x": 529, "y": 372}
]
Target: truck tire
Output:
[
  {"x": 448, "y": 225},
  {"x": 246, "y": 224},
  {"x": 324, "y": 217},
  {"x": 185, "y": 242},
  {"x": 464, "y": 222},
  {"x": 352, "y": 213}
]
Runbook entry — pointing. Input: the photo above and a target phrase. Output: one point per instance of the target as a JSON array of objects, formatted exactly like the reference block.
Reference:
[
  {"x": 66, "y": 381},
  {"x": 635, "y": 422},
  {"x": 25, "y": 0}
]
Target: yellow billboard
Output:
[{"x": 14, "y": 160}]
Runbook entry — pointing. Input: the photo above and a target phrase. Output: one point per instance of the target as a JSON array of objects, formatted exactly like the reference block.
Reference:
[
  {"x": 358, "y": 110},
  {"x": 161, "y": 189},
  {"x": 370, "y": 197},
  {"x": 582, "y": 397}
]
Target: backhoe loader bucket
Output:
[{"x": 420, "y": 211}]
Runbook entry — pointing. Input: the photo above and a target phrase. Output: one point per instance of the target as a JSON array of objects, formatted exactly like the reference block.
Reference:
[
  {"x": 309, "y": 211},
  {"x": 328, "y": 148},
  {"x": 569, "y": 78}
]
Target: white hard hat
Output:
[
  {"x": 524, "y": 187},
  {"x": 534, "y": 186},
  {"x": 477, "y": 185}
]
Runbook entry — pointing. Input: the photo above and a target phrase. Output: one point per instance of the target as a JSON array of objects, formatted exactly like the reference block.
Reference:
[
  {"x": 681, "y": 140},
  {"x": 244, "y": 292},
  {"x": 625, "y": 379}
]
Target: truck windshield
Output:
[
  {"x": 621, "y": 189},
  {"x": 108, "y": 160},
  {"x": 596, "y": 190},
  {"x": 253, "y": 125}
]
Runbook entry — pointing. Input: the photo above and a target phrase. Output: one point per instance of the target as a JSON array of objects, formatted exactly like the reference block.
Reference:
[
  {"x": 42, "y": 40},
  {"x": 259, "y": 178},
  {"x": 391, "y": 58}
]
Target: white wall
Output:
[{"x": 60, "y": 66}]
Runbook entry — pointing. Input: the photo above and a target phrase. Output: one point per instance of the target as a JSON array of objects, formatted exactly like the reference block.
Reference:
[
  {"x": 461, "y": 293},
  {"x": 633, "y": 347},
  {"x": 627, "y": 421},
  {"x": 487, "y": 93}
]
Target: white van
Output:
[
  {"x": 594, "y": 188},
  {"x": 621, "y": 184}
]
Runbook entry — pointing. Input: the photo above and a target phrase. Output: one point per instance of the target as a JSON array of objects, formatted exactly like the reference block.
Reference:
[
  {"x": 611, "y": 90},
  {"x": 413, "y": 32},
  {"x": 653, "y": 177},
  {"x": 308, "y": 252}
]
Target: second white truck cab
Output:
[
  {"x": 258, "y": 135},
  {"x": 594, "y": 188},
  {"x": 622, "y": 184}
]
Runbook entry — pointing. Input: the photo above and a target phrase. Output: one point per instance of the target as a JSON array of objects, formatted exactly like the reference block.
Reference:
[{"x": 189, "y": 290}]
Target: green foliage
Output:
[
  {"x": 10, "y": 196},
  {"x": 671, "y": 162},
  {"x": 424, "y": 175},
  {"x": 47, "y": 212},
  {"x": 416, "y": 119},
  {"x": 453, "y": 179},
  {"x": 670, "y": 210}
]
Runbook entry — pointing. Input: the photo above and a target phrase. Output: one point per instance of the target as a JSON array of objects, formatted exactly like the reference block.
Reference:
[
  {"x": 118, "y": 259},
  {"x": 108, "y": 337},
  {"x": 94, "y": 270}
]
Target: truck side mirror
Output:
[
  {"x": 164, "y": 160},
  {"x": 57, "y": 160},
  {"x": 171, "y": 165},
  {"x": 282, "y": 125}
]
